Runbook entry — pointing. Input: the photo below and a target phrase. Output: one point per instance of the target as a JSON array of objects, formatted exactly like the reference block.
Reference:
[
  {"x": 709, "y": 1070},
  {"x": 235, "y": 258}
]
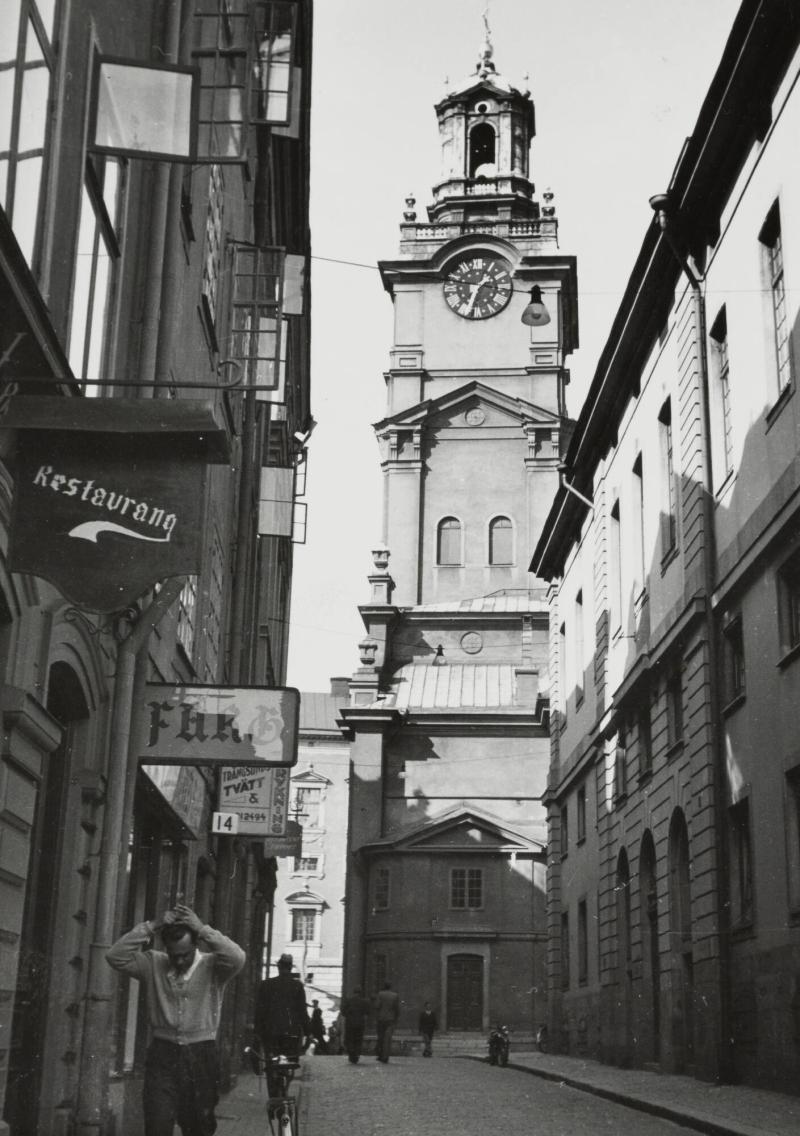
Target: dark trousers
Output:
[
  {"x": 180, "y": 1087},
  {"x": 384, "y": 1046},
  {"x": 353, "y": 1041},
  {"x": 427, "y": 1041}
]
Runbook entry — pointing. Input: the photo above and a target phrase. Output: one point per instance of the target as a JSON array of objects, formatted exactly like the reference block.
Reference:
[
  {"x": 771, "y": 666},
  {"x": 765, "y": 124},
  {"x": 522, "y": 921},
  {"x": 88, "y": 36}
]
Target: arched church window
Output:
[
  {"x": 448, "y": 541},
  {"x": 482, "y": 151},
  {"x": 501, "y": 541}
]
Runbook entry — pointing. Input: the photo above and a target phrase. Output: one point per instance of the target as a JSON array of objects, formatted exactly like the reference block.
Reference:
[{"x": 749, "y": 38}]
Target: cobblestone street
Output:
[{"x": 544, "y": 1094}]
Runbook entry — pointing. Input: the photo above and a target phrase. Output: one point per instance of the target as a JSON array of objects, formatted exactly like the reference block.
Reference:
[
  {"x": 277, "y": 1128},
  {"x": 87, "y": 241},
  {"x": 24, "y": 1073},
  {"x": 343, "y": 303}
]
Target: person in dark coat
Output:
[
  {"x": 427, "y": 1027},
  {"x": 387, "y": 1011},
  {"x": 318, "y": 1029},
  {"x": 281, "y": 1017},
  {"x": 355, "y": 1011}
]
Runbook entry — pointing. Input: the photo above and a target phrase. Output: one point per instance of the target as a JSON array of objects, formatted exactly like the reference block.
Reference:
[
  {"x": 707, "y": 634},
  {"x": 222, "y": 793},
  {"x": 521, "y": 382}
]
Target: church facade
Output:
[{"x": 447, "y": 715}]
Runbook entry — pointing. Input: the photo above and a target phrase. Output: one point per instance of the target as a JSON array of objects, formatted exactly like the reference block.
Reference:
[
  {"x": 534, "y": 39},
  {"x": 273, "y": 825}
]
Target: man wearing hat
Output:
[{"x": 282, "y": 1022}]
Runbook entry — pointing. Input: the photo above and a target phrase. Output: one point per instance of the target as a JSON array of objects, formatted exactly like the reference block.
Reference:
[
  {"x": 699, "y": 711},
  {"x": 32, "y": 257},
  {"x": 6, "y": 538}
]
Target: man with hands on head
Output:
[{"x": 183, "y": 988}]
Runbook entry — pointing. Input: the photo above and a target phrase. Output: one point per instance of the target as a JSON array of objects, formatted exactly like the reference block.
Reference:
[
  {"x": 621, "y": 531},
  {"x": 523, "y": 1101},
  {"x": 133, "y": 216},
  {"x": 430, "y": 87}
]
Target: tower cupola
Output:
[{"x": 486, "y": 126}]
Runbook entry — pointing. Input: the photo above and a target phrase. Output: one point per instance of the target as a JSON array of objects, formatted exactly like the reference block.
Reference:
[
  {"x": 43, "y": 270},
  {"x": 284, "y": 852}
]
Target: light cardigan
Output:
[{"x": 183, "y": 1009}]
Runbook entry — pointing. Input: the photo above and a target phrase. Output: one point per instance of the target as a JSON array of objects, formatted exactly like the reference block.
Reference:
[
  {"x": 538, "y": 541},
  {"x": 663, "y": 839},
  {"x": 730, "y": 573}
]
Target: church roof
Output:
[
  {"x": 484, "y": 75},
  {"x": 473, "y": 686},
  {"x": 486, "y": 605}
]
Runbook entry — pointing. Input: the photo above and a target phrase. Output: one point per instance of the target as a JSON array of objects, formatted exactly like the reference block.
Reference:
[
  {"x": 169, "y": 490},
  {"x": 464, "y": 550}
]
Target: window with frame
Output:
[
  {"x": 674, "y": 693},
  {"x": 615, "y": 569},
  {"x": 793, "y": 840},
  {"x": 741, "y": 863},
  {"x": 721, "y": 417},
  {"x": 583, "y": 943},
  {"x": 306, "y": 863},
  {"x": 772, "y": 243},
  {"x": 466, "y": 888},
  {"x": 187, "y": 615},
  {"x": 501, "y": 541},
  {"x": 621, "y": 760},
  {"x": 788, "y": 578},
  {"x": 380, "y": 971},
  {"x": 577, "y": 647},
  {"x": 308, "y": 805},
  {"x": 563, "y": 839},
  {"x": 304, "y": 925},
  {"x": 733, "y": 659},
  {"x": 27, "y": 63},
  {"x": 381, "y": 891},
  {"x": 581, "y": 806},
  {"x": 212, "y": 257},
  {"x": 637, "y": 517},
  {"x": 669, "y": 508},
  {"x": 644, "y": 730},
  {"x": 222, "y": 57},
  {"x": 448, "y": 541},
  {"x": 564, "y": 944},
  {"x": 97, "y": 253},
  {"x": 273, "y": 69}
]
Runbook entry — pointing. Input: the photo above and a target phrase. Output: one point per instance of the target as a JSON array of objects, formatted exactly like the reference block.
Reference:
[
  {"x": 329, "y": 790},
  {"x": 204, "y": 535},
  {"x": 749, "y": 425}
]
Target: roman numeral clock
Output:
[{"x": 477, "y": 286}]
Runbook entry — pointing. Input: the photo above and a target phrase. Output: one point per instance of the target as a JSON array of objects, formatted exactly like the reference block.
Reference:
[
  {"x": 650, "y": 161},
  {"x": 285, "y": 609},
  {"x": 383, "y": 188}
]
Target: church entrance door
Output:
[{"x": 465, "y": 992}]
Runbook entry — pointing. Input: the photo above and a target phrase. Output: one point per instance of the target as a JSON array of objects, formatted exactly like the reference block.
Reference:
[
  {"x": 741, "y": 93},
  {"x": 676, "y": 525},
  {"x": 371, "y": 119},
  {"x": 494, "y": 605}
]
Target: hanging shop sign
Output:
[
  {"x": 255, "y": 799},
  {"x": 106, "y": 499},
  {"x": 255, "y": 727}
]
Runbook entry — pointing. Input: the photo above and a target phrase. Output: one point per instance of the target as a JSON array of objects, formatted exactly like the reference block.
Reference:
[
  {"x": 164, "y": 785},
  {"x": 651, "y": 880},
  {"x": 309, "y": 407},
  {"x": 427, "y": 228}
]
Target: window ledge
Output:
[
  {"x": 734, "y": 703},
  {"x": 646, "y": 776},
  {"x": 742, "y": 931},
  {"x": 789, "y": 657},
  {"x": 794, "y": 917},
  {"x": 579, "y": 697},
  {"x": 580, "y": 840},
  {"x": 668, "y": 557},
  {"x": 722, "y": 489},
  {"x": 675, "y": 749},
  {"x": 776, "y": 409}
]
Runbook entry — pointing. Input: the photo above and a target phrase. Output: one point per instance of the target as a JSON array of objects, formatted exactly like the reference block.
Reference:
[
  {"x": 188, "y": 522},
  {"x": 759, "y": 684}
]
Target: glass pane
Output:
[
  {"x": 277, "y": 108},
  {"x": 33, "y": 113},
  {"x": 26, "y": 204},
  {"x": 81, "y": 288},
  {"x": 3, "y": 180},
  {"x": 144, "y": 109},
  {"x": 6, "y": 107},
  {"x": 33, "y": 49},
  {"x": 97, "y": 327},
  {"x": 47, "y": 11},
  {"x": 111, "y": 190},
  {"x": 9, "y": 30}
]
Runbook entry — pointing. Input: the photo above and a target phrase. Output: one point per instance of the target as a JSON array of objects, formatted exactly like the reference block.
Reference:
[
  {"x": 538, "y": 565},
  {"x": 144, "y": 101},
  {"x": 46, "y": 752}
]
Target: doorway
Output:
[{"x": 465, "y": 992}]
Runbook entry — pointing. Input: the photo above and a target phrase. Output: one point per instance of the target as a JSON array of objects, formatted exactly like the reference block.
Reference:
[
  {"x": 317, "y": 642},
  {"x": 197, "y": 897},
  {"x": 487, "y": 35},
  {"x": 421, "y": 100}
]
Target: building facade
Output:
[
  {"x": 308, "y": 914},
  {"x": 672, "y": 802},
  {"x": 123, "y": 273},
  {"x": 447, "y": 713}
]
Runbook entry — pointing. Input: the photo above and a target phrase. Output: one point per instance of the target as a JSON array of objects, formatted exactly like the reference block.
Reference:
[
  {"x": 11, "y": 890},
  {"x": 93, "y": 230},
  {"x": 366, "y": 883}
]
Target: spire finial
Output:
[{"x": 485, "y": 65}]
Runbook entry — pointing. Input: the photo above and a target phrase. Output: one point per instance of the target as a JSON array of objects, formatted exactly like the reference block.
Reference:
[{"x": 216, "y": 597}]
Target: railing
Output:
[{"x": 545, "y": 227}]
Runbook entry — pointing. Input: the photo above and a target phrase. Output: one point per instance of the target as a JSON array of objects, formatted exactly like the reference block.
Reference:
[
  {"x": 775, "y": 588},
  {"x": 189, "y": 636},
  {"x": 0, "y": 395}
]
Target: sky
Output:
[{"x": 616, "y": 85}]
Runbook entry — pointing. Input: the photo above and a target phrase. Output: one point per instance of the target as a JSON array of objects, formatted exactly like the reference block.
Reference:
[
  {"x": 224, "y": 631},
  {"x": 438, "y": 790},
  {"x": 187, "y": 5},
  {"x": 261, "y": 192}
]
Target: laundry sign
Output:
[
  {"x": 256, "y": 797},
  {"x": 106, "y": 510}
]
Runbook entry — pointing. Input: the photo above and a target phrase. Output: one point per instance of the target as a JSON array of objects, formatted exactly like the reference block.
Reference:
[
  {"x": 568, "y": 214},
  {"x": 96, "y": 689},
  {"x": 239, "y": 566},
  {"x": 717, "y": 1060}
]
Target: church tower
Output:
[{"x": 448, "y": 711}]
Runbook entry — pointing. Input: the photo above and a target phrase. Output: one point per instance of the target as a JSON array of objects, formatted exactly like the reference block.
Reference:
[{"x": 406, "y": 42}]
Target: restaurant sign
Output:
[
  {"x": 219, "y": 726},
  {"x": 101, "y": 512}
]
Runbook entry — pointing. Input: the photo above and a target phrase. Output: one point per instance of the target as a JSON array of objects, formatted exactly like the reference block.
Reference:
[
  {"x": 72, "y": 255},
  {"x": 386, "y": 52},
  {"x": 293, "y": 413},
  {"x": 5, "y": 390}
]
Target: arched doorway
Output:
[
  {"x": 66, "y": 703},
  {"x": 624, "y": 956},
  {"x": 465, "y": 992},
  {"x": 682, "y": 962},
  {"x": 651, "y": 958}
]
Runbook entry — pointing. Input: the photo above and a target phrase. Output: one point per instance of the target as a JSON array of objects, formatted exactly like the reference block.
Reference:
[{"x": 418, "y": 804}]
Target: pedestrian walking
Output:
[
  {"x": 355, "y": 1011},
  {"x": 427, "y": 1027},
  {"x": 281, "y": 1017},
  {"x": 183, "y": 990},
  {"x": 334, "y": 1038},
  {"x": 387, "y": 1011},
  {"x": 318, "y": 1029}
]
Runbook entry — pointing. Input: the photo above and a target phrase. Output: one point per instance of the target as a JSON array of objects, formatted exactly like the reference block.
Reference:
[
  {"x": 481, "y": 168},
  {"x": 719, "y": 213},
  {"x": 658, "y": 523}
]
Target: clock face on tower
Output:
[{"x": 477, "y": 286}]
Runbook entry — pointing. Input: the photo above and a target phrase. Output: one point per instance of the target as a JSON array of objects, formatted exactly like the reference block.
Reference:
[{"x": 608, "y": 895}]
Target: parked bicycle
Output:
[{"x": 281, "y": 1107}]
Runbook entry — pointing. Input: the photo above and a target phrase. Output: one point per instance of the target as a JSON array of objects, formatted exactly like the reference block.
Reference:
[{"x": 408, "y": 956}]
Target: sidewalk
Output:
[{"x": 721, "y": 1110}]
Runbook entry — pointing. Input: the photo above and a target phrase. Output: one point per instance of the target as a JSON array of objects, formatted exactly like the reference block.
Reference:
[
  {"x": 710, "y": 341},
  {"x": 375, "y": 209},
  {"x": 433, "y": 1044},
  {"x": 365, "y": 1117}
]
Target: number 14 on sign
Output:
[{"x": 225, "y": 824}]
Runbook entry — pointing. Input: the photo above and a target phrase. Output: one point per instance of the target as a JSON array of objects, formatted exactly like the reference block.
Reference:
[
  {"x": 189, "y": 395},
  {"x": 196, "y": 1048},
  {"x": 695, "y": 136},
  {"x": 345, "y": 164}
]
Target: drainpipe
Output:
[
  {"x": 123, "y": 763},
  {"x": 562, "y": 478},
  {"x": 660, "y": 205}
]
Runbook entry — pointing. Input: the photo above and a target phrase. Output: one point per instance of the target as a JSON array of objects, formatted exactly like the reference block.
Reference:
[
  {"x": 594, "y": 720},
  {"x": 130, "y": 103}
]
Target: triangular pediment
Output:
[
  {"x": 451, "y": 409},
  {"x": 463, "y": 828},
  {"x": 310, "y": 777}
]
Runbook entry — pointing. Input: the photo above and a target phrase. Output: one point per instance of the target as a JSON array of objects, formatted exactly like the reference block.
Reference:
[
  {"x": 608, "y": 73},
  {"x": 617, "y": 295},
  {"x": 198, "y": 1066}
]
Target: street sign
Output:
[
  {"x": 225, "y": 824},
  {"x": 258, "y": 797}
]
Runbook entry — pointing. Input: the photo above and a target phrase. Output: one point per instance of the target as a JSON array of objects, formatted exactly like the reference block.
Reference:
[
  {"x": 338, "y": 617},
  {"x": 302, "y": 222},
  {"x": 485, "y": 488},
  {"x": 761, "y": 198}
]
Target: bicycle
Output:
[{"x": 281, "y": 1107}]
